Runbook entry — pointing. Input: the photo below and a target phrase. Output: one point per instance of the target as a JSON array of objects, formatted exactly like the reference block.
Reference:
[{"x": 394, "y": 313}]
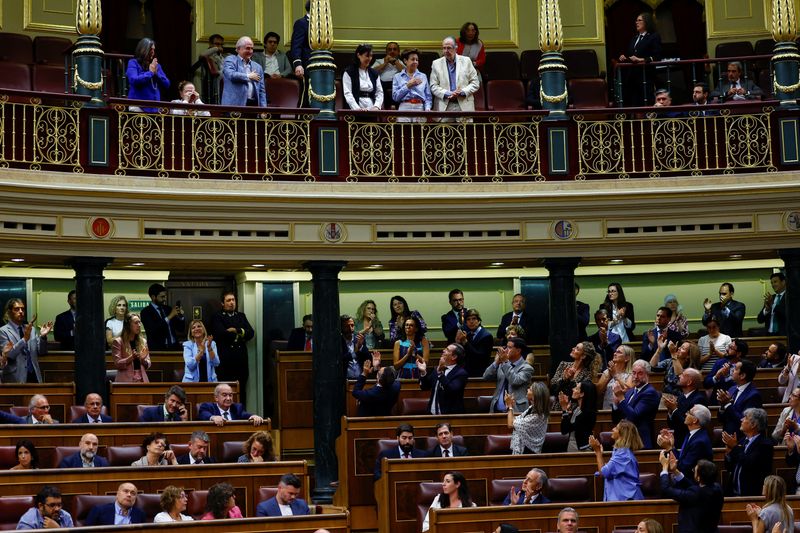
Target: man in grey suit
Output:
[
  {"x": 244, "y": 78},
  {"x": 513, "y": 375},
  {"x": 22, "y": 364},
  {"x": 737, "y": 88}
]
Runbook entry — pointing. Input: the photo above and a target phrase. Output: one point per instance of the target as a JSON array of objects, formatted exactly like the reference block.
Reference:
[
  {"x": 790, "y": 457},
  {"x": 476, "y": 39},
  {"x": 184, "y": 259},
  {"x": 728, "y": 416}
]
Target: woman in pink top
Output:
[
  {"x": 131, "y": 356},
  {"x": 221, "y": 503}
]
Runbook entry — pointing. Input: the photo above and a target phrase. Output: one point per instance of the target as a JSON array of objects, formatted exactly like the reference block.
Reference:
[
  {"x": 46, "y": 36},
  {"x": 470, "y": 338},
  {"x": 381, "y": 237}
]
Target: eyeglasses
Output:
[
  {"x": 45, "y": 407},
  {"x": 53, "y": 505}
]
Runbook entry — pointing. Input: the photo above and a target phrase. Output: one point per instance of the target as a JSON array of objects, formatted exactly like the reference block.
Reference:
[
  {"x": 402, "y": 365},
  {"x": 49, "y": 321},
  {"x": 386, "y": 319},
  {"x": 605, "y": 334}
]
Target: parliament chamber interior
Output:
[{"x": 297, "y": 286}]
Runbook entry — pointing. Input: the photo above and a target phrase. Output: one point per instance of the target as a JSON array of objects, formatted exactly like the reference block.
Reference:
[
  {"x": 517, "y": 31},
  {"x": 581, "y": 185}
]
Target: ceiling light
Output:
[
  {"x": 258, "y": 265},
  {"x": 616, "y": 261},
  {"x": 137, "y": 264},
  {"x": 735, "y": 256},
  {"x": 497, "y": 264},
  {"x": 17, "y": 260}
]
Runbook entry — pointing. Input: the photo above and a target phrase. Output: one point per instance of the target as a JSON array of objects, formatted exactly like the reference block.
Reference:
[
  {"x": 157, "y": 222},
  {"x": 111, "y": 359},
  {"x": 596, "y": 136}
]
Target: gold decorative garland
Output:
[
  {"x": 321, "y": 97},
  {"x": 785, "y": 88},
  {"x": 92, "y": 86},
  {"x": 553, "y": 99}
]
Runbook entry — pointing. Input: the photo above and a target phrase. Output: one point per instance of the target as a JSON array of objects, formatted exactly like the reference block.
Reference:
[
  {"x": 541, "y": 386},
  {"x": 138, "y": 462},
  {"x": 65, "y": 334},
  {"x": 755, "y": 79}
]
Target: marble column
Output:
[
  {"x": 329, "y": 380},
  {"x": 563, "y": 312},
  {"x": 791, "y": 260},
  {"x": 90, "y": 331}
]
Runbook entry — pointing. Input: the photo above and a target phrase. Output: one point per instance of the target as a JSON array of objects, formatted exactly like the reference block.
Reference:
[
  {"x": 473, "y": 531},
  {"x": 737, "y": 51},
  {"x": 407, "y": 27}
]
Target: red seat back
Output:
[
  {"x": 12, "y": 508},
  {"x": 16, "y": 48},
  {"x": 500, "y": 488},
  {"x": 196, "y": 506},
  {"x": 50, "y": 50},
  {"x": 123, "y": 455},
  {"x": 83, "y": 503},
  {"x": 498, "y": 445},
  {"x": 8, "y": 457},
  {"x": 588, "y": 93},
  {"x": 283, "y": 92},
  {"x": 501, "y": 66},
  {"x": 505, "y": 94}
]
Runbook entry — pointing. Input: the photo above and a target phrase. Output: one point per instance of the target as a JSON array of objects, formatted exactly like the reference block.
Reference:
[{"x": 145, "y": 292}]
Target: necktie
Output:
[
  {"x": 773, "y": 326},
  {"x": 406, "y": 456},
  {"x": 686, "y": 442},
  {"x": 638, "y": 40},
  {"x": 515, "y": 320},
  {"x": 735, "y": 396},
  {"x": 446, "y": 453},
  {"x": 25, "y": 350},
  {"x": 307, "y": 346},
  {"x": 170, "y": 339},
  {"x": 226, "y": 416}
]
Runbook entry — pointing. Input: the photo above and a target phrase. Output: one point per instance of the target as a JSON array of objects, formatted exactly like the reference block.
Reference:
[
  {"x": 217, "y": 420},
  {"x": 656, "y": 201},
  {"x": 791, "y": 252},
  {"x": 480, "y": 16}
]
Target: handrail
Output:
[
  {"x": 441, "y": 114},
  {"x": 217, "y": 109}
]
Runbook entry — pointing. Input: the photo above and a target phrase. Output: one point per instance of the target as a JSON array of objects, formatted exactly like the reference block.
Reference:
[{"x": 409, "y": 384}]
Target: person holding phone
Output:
[
  {"x": 164, "y": 324},
  {"x": 188, "y": 95},
  {"x": 156, "y": 451},
  {"x": 172, "y": 410},
  {"x": 409, "y": 348}
]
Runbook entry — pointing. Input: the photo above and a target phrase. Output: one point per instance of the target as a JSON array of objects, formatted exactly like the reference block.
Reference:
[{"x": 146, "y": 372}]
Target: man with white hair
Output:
[
  {"x": 453, "y": 80},
  {"x": 568, "y": 520},
  {"x": 39, "y": 411},
  {"x": 690, "y": 382},
  {"x": 244, "y": 78},
  {"x": 531, "y": 491},
  {"x": 639, "y": 404},
  {"x": 696, "y": 445}
]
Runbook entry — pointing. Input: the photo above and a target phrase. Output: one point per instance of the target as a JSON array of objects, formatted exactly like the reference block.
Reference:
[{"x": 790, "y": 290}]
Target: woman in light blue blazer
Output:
[{"x": 200, "y": 351}]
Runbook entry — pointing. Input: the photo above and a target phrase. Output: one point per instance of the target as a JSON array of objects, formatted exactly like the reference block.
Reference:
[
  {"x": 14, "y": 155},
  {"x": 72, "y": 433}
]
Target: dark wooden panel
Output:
[
  {"x": 61, "y": 396},
  {"x": 126, "y": 396}
]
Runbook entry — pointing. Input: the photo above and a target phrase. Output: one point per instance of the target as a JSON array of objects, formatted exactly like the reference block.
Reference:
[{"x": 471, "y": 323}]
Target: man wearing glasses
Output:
[
  {"x": 453, "y": 80},
  {"x": 274, "y": 62},
  {"x": 39, "y": 411},
  {"x": 47, "y": 513},
  {"x": 24, "y": 344}
]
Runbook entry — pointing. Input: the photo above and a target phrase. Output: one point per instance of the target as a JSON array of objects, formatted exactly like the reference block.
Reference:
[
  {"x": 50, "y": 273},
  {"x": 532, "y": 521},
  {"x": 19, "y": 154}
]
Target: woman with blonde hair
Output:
[
  {"x": 199, "y": 355},
  {"x": 117, "y": 310},
  {"x": 585, "y": 365},
  {"x": 678, "y": 322},
  {"x": 687, "y": 355},
  {"x": 529, "y": 427},
  {"x": 618, "y": 371},
  {"x": 369, "y": 325},
  {"x": 621, "y": 472},
  {"x": 775, "y": 510},
  {"x": 648, "y": 525},
  {"x": 131, "y": 355}
]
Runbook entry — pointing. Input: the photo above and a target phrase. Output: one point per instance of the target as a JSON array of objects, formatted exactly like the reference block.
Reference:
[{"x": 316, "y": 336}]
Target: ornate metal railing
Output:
[
  {"x": 237, "y": 144},
  {"x": 485, "y": 146},
  {"x": 694, "y": 141},
  {"x": 36, "y": 135}
]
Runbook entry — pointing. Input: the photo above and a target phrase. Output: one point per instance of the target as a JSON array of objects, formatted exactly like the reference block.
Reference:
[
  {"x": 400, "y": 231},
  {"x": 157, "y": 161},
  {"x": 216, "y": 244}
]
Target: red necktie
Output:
[{"x": 307, "y": 347}]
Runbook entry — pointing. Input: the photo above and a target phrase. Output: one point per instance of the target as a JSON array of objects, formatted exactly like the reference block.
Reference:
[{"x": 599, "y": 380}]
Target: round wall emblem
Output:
[
  {"x": 333, "y": 232},
  {"x": 564, "y": 229},
  {"x": 793, "y": 221},
  {"x": 100, "y": 227}
]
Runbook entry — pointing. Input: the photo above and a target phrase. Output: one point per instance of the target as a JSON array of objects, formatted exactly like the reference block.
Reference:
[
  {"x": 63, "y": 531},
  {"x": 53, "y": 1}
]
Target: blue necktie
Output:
[{"x": 26, "y": 350}]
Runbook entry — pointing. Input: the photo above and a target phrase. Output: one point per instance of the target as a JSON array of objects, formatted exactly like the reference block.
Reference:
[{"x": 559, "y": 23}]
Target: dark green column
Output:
[
  {"x": 329, "y": 380},
  {"x": 90, "y": 331},
  {"x": 563, "y": 314}
]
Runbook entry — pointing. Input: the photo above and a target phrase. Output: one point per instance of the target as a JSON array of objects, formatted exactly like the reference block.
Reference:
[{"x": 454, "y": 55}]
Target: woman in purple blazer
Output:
[{"x": 145, "y": 77}]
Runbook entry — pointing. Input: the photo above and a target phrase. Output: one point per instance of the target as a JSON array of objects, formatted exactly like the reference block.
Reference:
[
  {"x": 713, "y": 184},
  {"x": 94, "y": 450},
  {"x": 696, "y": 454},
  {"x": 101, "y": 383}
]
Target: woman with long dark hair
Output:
[
  {"x": 361, "y": 84},
  {"x": 620, "y": 312},
  {"x": 470, "y": 45},
  {"x": 529, "y": 427},
  {"x": 455, "y": 493},
  {"x": 578, "y": 415},
  {"x": 221, "y": 503},
  {"x": 411, "y": 345},
  {"x": 399, "y": 311},
  {"x": 27, "y": 456},
  {"x": 145, "y": 76}
]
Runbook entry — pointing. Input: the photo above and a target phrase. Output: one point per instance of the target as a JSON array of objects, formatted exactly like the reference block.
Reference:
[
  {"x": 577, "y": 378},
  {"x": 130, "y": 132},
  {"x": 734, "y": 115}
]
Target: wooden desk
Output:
[
  {"x": 47, "y": 437},
  {"x": 409, "y": 388},
  {"x": 246, "y": 478},
  {"x": 598, "y": 517},
  {"x": 126, "y": 396},
  {"x": 334, "y": 522},
  {"x": 61, "y": 396},
  {"x": 59, "y": 366}
]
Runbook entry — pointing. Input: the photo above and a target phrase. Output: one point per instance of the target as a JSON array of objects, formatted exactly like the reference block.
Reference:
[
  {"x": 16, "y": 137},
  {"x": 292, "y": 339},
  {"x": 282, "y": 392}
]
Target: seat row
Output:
[
  {"x": 43, "y": 50},
  {"x": 37, "y": 78}
]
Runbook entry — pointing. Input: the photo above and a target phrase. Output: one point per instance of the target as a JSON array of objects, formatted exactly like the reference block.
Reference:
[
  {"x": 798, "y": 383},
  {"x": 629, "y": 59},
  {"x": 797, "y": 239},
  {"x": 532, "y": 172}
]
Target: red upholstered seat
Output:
[
  {"x": 19, "y": 410},
  {"x": 581, "y": 63},
  {"x": 651, "y": 485},
  {"x": 499, "y": 489},
  {"x": 427, "y": 492},
  {"x": 150, "y": 504},
  {"x": 480, "y": 99},
  {"x": 484, "y": 404},
  {"x": 588, "y": 93},
  {"x": 413, "y": 406},
  {"x": 15, "y": 47},
  {"x": 501, "y": 66},
  {"x": 140, "y": 411},
  {"x": 49, "y": 78},
  {"x": 123, "y": 455},
  {"x": 8, "y": 457},
  {"x": 231, "y": 450},
  {"x": 498, "y": 445},
  {"x": 11, "y": 508},
  {"x": 529, "y": 64},
  {"x": 555, "y": 442},
  {"x": 83, "y": 503},
  {"x": 265, "y": 493},
  {"x": 505, "y": 94},
  {"x": 50, "y": 50},
  {"x": 283, "y": 92},
  {"x": 734, "y": 49},
  {"x": 569, "y": 489},
  {"x": 61, "y": 453},
  {"x": 196, "y": 506}
]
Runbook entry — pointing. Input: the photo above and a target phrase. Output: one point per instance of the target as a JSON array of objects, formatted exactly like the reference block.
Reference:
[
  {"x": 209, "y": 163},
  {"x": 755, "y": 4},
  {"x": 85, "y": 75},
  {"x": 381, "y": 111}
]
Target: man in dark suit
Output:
[
  {"x": 93, "y": 415},
  {"x": 583, "y": 311},
  {"x": 453, "y": 320},
  {"x": 39, "y": 411},
  {"x": 172, "y": 410},
  {"x": 380, "y": 399},
  {"x": 288, "y": 490},
  {"x": 301, "y": 52},
  {"x": 749, "y": 460},
  {"x": 516, "y": 317},
  {"x": 695, "y": 445},
  {"x": 720, "y": 377},
  {"x": 659, "y": 333},
  {"x": 232, "y": 331},
  {"x": 690, "y": 382},
  {"x": 604, "y": 340},
  {"x": 639, "y": 404},
  {"x": 445, "y": 446},
  {"x": 773, "y": 315},
  {"x": 477, "y": 343},
  {"x": 301, "y": 339},
  {"x": 742, "y": 396},
  {"x": 164, "y": 324},
  {"x": 354, "y": 349},
  {"x": 64, "y": 328},
  {"x": 224, "y": 409},
  {"x": 446, "y": 383},
  {"x": 774, "y": 356},
  {"x": 405, "y": 448},
  {"x": 644, "y": 47},
  {"x": 735, "y": 88},
  {"x": 198, "y": 450},
  {"x": 699, "y": 503},
  {"x": 531, "y": 491},
  {"x": 119, "y": 512},
  {"x": 87, "y": 456},
  {"x": 728, "y": 312}
]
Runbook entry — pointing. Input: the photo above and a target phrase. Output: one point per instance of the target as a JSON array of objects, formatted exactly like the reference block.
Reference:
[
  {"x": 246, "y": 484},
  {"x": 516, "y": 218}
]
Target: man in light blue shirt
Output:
[{"x": 48, "y": 512}]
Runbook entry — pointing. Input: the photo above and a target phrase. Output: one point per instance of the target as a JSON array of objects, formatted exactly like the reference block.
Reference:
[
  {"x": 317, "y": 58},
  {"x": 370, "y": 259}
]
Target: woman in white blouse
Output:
[
  {"x": 361, "y": 85},
  {"x": 455, "y": 493},
  {"x": 530, "y": 426},
  {"x": 173, "y": 502}
]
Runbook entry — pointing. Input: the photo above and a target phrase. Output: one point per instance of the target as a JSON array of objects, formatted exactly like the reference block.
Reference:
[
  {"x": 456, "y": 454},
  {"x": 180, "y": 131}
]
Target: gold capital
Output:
[
  {"x": 784, "y": 23},
  {"x": 550, "y": 33},
  {"x": 320, "y": 25},
  {"x": 88, "y": 17}
]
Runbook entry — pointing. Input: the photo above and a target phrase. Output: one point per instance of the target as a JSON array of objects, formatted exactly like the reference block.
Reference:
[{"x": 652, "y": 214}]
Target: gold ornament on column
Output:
[
  {"x": 784, "y": 23},
  {"x": 550, "y": 33},
  {"x": 88, "y": 17},
  {"x": 320, "y": 25}
]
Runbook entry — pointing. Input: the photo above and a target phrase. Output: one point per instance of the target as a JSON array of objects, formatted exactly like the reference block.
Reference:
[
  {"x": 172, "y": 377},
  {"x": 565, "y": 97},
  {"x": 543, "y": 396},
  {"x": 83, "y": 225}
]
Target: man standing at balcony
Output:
[
  {"x": 454, "y": 80},
  {"x": 728, "y": 312},
  {"x": 453, "y": 320},
  {"x": 736, "y": 88},
  {"x": 162, "y": 323},
  {"x": 22, "y": 359},
  {"x": 244, "y": 79},
  {"x": 301, "y": 52},
  {"x": 65, "y": 324},
  {"x": 232, "y": 331},
  {"x": 274, "y": 62}
]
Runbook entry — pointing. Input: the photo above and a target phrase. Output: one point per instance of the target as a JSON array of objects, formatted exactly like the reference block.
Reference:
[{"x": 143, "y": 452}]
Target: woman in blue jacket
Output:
[{"x": 145, "y": 77}]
